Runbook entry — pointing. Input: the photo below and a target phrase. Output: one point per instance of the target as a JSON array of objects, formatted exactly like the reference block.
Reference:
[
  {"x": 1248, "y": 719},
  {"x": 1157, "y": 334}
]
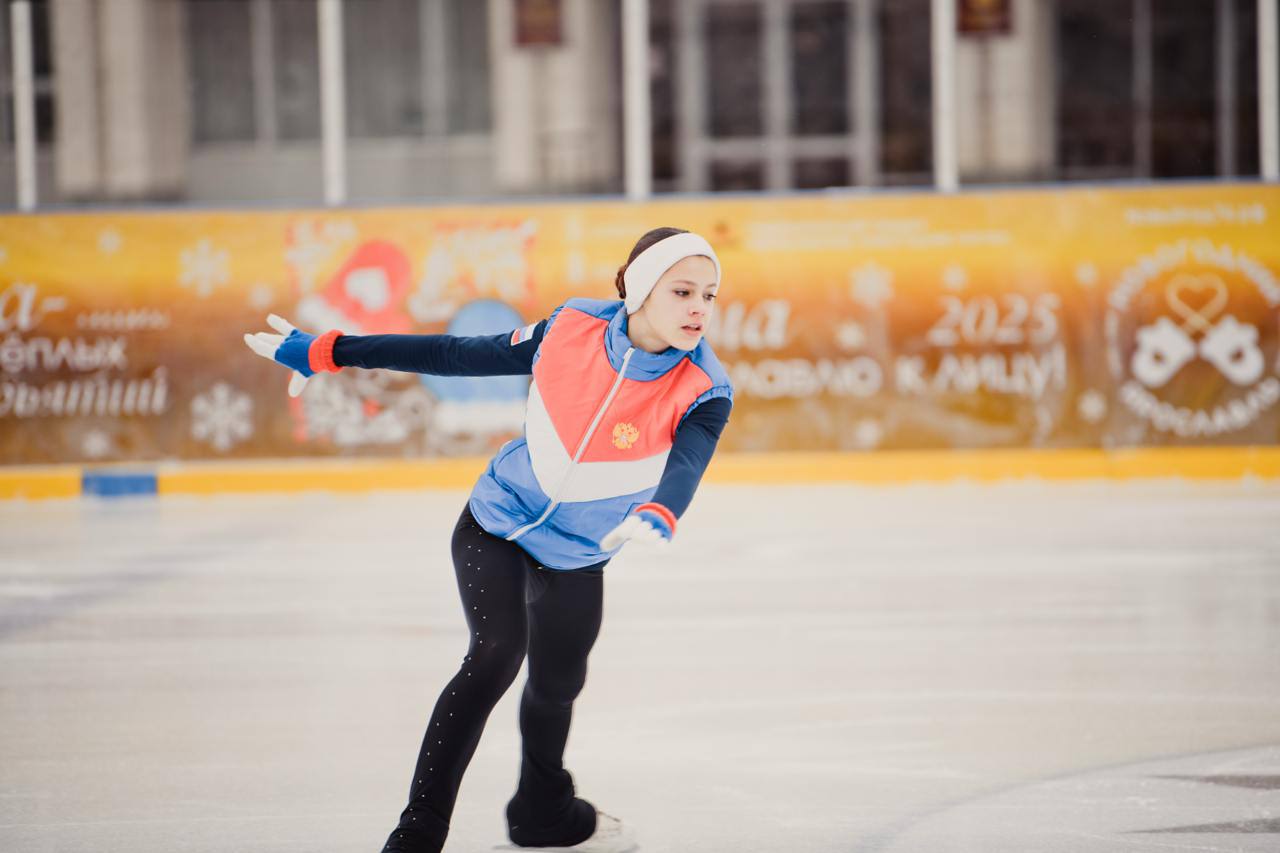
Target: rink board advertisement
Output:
[{"x": 1066, "y": 318}]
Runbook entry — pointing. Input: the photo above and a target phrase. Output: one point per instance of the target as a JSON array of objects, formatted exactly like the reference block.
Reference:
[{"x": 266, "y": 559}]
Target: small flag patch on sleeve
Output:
[{"x": 519, "y": 336}]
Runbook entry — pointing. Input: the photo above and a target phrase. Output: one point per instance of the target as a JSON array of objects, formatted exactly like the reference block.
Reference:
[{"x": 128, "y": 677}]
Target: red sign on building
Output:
[
  {"x": 984, "y": 17},
  {"x": 538, "y": 23}
]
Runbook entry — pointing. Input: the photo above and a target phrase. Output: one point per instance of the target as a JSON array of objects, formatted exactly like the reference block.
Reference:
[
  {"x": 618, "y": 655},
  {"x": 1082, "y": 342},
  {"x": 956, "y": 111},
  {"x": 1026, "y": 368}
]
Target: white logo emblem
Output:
[
  {"x": 1164, "y": 347},
  {"x": 1189, "y": 336}
]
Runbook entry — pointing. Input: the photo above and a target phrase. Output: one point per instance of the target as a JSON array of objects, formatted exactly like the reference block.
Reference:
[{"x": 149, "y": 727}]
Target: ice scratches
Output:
[
  {"x": 119, "y": 575},
  {"x": 35, "y": 611},
  {"x": 1266, "y": 826},
  {"x": 1108, "y": 841},
  {"x": 191, "y": 819},
  {"x": 1256, "y": 782},
  {"x": 863, "y": 699}
]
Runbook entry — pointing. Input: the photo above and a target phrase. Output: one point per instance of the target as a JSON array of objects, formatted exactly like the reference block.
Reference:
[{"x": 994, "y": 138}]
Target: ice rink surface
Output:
[{"x": 998, "y": 669}]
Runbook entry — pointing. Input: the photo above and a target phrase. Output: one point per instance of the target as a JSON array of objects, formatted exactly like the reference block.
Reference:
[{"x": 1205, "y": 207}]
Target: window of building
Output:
[
  {"x": 736, "y": 175},
  {"x": 1239, "y": 154},
  {"x": 1165, "y": 89},
  {"x": 819, "y": 57},
  {"x": 812, "y": 93},
  {"x": 1095, "y": 90},
  {"x": 41, "y": 70},
  {"x": 293, "y": 67},
  {"x": 766, "y": 94},
  {"x": 412, "y": 68},
  {"x": 663, "y": 92},
  {"x": 906, "y": 93},
  {"x": 383, "y": 42},
  {"x": 1182, "y": 107},
  {"x": 733, "y": 68},
  {"x": 813, "y": 173},
  {"x": 467, "y": 84},
  {"x": 221, "y": 71}
]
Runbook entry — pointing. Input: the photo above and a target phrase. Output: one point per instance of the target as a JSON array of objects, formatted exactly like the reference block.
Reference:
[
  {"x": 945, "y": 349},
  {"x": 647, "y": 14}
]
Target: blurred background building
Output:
[{"x": 210, "y": 102}]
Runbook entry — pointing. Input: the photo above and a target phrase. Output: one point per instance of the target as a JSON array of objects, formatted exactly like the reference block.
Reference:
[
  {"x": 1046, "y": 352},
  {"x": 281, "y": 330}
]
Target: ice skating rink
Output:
[{"x": 999, "y": 669}]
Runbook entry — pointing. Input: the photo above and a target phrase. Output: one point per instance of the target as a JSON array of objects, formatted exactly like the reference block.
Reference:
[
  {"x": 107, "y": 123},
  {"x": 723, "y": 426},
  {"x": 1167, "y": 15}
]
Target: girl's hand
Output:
[
  {"x": 651, "y": 523},
  {"x": 303, "y": 353}
]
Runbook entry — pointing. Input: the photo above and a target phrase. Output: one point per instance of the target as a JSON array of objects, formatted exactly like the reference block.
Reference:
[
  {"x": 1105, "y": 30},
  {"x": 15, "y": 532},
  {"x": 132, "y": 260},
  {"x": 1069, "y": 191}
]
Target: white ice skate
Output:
[{"x": 611, "y": 836}]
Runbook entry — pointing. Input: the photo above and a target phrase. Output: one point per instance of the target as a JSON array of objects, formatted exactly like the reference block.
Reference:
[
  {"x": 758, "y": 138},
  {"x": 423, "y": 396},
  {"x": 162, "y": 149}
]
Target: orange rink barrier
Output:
[{"x": 1083, "y": 317}]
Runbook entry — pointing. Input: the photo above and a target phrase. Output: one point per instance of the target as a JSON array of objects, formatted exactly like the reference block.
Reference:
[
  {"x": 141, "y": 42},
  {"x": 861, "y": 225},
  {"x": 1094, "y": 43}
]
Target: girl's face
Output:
[{"x": 680, "y": 304}]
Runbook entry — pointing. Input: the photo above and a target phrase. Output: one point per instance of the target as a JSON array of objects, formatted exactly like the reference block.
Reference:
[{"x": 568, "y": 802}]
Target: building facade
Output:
[{"x": 217, "y": 102}]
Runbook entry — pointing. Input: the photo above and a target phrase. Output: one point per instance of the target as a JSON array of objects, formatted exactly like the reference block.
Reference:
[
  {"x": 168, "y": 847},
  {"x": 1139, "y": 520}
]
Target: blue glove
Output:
[
  {"x": 305, "y": 354},
  {"x": 651, "y": 523}
]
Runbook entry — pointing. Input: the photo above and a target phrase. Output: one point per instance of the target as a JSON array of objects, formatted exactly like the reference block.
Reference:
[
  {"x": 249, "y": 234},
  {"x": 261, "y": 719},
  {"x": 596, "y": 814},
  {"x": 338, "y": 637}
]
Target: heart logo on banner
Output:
[
  {"x": 1232, "y": 347},
  {"x": 1197, "y": 299}
]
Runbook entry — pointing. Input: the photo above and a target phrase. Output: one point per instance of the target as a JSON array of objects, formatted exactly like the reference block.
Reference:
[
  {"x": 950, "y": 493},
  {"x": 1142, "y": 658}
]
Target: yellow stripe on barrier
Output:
[
  {"x": 39, "y": 481},
  {"x": 344, "y": 475},
  {"x": 905, "y": 466},
  {"x": 877, "y": 468}
]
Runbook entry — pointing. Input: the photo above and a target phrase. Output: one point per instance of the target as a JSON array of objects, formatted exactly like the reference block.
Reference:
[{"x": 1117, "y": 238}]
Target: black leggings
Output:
[{"x": 513, "y": 605}]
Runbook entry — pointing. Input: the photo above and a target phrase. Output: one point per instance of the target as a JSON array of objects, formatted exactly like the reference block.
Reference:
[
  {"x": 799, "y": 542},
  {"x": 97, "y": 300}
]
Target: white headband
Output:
[{"x": 643, "y": 273}]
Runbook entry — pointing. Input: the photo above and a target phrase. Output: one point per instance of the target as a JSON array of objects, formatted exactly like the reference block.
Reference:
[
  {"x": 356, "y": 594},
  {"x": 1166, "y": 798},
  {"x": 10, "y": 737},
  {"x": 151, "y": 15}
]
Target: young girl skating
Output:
[{"x": 626, "y": 405}]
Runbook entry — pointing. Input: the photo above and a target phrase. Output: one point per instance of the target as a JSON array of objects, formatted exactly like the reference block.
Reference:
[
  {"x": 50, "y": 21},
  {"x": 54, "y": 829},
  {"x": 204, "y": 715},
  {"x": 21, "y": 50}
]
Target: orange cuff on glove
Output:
[
  {"x": 661, "y": 512},
  {"x": 320, "y": 353}
]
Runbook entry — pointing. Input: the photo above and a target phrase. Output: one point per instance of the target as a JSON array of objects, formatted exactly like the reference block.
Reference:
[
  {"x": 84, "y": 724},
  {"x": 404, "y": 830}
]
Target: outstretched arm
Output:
[{"x": 508, "y": 354}]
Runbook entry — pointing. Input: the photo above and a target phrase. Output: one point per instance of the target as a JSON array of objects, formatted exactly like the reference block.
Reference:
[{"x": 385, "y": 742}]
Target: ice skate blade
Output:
[{"x": 634, "y": 848}]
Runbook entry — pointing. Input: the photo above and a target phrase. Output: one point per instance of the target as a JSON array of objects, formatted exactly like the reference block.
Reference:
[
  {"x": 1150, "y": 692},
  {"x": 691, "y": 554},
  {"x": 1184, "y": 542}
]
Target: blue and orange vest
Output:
[{"x": 601, "y": 419}]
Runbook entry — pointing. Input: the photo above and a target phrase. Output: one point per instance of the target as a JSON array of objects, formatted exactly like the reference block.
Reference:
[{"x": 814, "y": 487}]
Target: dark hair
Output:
[{"x": 649, "y": 238}]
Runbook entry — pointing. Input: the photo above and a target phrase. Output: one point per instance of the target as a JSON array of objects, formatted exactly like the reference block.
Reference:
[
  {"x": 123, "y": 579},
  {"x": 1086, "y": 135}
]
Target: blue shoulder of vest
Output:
[
  {"x": 605, "y": 309},
  {"x": 709, "y": 363}
]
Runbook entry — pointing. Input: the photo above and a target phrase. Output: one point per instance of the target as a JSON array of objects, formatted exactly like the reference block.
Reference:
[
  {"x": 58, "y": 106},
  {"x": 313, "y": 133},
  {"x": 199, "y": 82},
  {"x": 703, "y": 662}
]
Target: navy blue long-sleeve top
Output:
[{"x": 494, "y": 355}]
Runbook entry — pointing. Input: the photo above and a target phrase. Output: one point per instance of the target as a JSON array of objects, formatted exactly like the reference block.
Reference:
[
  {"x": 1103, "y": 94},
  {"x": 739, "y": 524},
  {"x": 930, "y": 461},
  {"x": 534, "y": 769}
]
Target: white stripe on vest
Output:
[{"x": 590, "y": 481}]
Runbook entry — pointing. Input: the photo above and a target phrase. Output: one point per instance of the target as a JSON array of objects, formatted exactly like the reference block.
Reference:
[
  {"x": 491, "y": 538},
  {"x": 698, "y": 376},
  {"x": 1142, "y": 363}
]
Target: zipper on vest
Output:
[{"x": 582, "y": 448}]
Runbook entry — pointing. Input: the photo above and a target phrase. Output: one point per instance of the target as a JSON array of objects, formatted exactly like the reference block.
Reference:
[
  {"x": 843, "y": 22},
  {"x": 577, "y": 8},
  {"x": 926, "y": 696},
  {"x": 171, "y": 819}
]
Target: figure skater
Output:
[{"x": 626, "y": 405}]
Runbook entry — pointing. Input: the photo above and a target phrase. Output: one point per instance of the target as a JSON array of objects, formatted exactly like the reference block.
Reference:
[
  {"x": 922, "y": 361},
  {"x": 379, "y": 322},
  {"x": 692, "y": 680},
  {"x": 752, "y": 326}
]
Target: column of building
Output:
[
  {"x": 555, "y": 102},
  {"x": 121, "y": 99}
]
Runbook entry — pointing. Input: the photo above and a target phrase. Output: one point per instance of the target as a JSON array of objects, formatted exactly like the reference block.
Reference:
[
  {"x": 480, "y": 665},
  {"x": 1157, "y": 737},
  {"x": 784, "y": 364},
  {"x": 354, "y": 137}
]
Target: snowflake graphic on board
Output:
[
  {"x": 954, "y": 278},
  {"x": 1091, "y": 406},
  {"x": 96, "y": 444},
  {"x": 222, "y": 416},
  {"x": 204, "y": 268},
  {"x": 360, "y": 410},
  {"x": 850, "y": 336},
  {"x": 872, "y": 284},
  {"x": 1087, "y": 274},
  {"x": 262, "y": 296},
  {"x": 867, "y": 434},
  {"x": 312, "y": 246},
  {"x": 109, "y": 241}
]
